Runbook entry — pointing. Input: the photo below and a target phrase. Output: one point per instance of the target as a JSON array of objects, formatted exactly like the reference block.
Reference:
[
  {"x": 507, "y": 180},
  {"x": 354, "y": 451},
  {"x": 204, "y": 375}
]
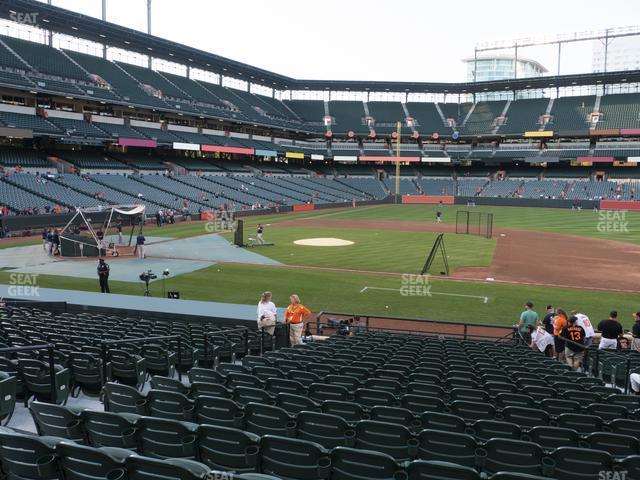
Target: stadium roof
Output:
[{"x": 67, "y": 22}]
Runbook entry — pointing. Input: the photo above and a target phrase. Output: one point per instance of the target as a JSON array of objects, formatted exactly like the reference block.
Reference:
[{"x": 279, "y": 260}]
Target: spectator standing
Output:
[
  {"x": 527, "y": 318},
  {"x": 611, "y": 330},
  {"x": 119, "y": 229},
  {"x": 44, "y": 239},
  {"x": 547, "y": 321},
  {"x": 635, "y": 332},
  {"x": 560, "y": 321},
  {"x": 575, "y": 336},
  {"x": 267, "y": 313},
  {"x": 584, "y": 322},
  {"x": 295, "y": 315},
  {"x": 542, "y": 340}
]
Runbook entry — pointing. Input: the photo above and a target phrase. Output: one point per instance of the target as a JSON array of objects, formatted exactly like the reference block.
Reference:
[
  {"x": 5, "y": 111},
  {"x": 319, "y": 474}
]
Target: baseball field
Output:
[{"x": 581, "y": 260}]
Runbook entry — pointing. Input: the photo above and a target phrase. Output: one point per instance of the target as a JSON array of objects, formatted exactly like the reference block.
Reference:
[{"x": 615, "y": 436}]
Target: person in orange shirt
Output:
[
  {"x": 560, "y": 321},
  {"x": 295, "y": 316}
]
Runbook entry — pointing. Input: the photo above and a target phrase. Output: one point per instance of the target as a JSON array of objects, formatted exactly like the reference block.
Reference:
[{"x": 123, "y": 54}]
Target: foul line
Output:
[{"x": 429, "y": 293}]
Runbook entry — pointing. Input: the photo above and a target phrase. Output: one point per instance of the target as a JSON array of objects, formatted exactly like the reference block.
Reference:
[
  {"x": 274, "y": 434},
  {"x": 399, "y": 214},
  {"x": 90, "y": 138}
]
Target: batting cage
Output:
[
  {"x": 84, "y": 237},
  {"x": 474, "y": 223}
]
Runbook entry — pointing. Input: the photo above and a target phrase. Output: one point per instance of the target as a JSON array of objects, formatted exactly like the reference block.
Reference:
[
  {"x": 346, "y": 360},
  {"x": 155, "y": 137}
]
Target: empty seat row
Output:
[{"x": 295, "y": 451}]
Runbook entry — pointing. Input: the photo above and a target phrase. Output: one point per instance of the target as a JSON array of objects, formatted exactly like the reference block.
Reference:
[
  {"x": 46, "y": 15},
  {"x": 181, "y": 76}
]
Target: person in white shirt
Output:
[
  {"x": 267, "y": 313},
  {"x": 542, "y": 340},
  {"x": 584, "y": 322}
]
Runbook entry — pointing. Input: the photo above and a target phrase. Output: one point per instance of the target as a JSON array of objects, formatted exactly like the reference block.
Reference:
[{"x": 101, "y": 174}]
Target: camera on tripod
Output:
[{"x": 148, "y": 275}]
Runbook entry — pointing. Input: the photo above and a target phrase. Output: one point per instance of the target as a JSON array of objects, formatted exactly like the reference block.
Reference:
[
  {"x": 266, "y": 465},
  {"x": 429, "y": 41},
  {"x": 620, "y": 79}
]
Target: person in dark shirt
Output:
[
  {"x": 44, "y": 239},
  {"x": 547, "y": 321},
  {"x": 575, "y": 338},
  {"x": 119, "y": 229},
  {"x": 635, "y": 332},
  {"x": 140, "y": 245},
  {"x": 611, "y": 330},
  {"x": 55, "y": 243},
  {"x": 103, "y": 276}
]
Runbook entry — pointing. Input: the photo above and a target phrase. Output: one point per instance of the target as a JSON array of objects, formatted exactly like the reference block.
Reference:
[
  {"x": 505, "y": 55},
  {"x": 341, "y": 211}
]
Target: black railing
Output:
[
  {"x": 365, "y": 328},
  {"x": 243, "y": 330},
  {"x": 105, "y": 344},
  {"x": 49, "y": 347}
]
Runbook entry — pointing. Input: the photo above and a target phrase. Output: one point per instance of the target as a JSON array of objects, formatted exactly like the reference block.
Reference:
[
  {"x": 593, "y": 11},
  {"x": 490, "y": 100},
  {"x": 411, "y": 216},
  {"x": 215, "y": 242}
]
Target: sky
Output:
[{"x": 401, "y": 40}]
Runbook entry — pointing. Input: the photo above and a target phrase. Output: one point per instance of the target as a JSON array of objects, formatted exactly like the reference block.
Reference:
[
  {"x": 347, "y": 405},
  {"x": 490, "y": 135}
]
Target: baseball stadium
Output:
[{"x": 214, "y": 270}]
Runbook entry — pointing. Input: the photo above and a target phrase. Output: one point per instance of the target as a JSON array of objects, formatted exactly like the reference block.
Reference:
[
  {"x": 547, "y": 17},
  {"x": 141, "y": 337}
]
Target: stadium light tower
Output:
[{"x": 149, "y": 25}]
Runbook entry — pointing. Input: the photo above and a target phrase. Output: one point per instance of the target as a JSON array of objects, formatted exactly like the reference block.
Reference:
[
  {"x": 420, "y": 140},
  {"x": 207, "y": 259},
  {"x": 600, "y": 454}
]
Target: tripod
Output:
[{"x": 147, "y": 293}]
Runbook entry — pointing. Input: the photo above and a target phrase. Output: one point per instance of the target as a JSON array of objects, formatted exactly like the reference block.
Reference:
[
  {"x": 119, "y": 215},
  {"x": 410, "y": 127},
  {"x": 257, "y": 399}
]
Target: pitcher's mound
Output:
[{"x": 323, "y": 242}]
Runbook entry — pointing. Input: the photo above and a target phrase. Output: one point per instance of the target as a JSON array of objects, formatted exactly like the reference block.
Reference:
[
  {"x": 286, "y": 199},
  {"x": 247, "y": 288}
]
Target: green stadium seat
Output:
[
  {"x": 218, "y": 411},
  {"x": 127, "y": 368},
  {"x": 383, "y": 384},
  {"x": 443, "y": 421},
  {"x": 419, "y": 403},
  {"x": 447, "y": 446},
  {"x": 325, "y": 429},
  {"x": 245, "y": 395},
  {"x": 209, "y": 389},
  {"x": 550, "y": 438},
  {"x": 142, "y": 468},
  {"x": 263, "y": 372},
  {"x": 349, "y": 411},
  {"x": 79, "y": 462},
  {"x": 8, "y": 386},
  {"x": 108, "y": 429},
  {"x": 283, "y": 385},
  {"x": 558, "y": 406},
  {"x": 37, "y": 381},
  {"x": 435, "y": 470},
  {"x": 290, "y": 458},
  {"x": 168, "y": 384},
  {"x": 472, "y": 411},
  {"x": 468, "y": 394},
  {"x": 631, "y": 465},
  {"x": 607, "y": 411},
  {"x": 163, "y": 438},
  {"x": 268, "y": 419},
  {"x": 198, "y": 374},
  {"x": 526, "y": 417},
  {"x": 502, "y": 455},
  {"x": 159, "y": 361},
  {"x": 86, "y": 373},
  {"x": 625, "y": 427},
  {"x": 345, "y": 380},
  {"x": 581, "y": 423},
  {"x": 428, "y": 389},
  {"x": 237, "y": 379},
  {"x": 171, "y": 405},
  {"x": 222, "y": 448},
  {"x": 353, "y": 464},
  {"x": 397, "y": 415},
  {"x": 295, "y": 403},
  {"x": 57, "y": 421},
  {"x": 393, "y": 439},
  {"x": 484, "y": 430},
  {"x": 580, "y": 463},
  {"x": 503, "y": 400},
  {"x": 28, "y": 457},
  {"x": 324, "y": 391},
  {"x": 616, "y": 444}
]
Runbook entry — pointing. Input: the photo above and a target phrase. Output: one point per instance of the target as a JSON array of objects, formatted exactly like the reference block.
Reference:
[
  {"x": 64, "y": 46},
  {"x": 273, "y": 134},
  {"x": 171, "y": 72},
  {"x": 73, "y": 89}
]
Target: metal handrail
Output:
[
  {"x": 45, "y": 346},
  {"x": 104, "y": 344},
  {"x": 243, "y": 330}
]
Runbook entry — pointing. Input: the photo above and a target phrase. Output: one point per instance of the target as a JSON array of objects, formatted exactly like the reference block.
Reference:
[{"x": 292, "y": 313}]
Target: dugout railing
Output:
[{"x": 327, "y": 322}]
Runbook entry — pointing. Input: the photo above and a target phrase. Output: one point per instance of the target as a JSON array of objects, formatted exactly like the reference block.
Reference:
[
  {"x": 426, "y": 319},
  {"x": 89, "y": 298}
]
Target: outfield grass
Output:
[{"x": 585, "y": 223}]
